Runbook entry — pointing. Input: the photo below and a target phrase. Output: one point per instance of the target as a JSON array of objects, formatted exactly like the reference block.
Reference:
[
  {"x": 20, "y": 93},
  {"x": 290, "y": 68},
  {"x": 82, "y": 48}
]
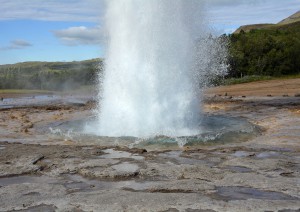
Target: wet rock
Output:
[
  {"x": 37, "y": 159},
  {"x": 270, "y": 154},
  {"x": 287, "y": 174},
  {"x": 13, "y": 197},
  {"x": 42, "y": 207},
  {"x": 181, "y": 186},
  {"x": 113, "y": 154},
  {"x": 138, "y": 151},
  {"x": 289, "y": 210},
  {"x": 110, "y": 153},
  {"x": 77, "y": 104},
  {"x": 27, "y": 121},
  {"x": 126, "y": 167},
  {"x": 77, "y": 165},
  {"x": 203, "y": 172},
  {"x": 240, "y": 169},
  {"x": 171, "y": 210},
  {"x": 27, "y": 127},
  {"x": 243, "y": 154},
  {"x": 183, "y": 182},
  {"x": 244, "y": 193},
  {"x": 259, "y": 181},
  {"x": 120, "y": 171},
  {"x": 21, "y": 165},
  {"x": 52, "y": 108},
  {"x": 162, "y": 171},
  {"x": 97, "y": 163},
  {"x": 25, "y": 130},
  {"x": 96, "y": 152},
  {"x": 255, "y": 164}
]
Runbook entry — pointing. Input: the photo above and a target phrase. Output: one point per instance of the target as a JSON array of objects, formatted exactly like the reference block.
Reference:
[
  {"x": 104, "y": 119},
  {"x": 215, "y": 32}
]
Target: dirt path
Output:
[{"x": 289, "y": 87}]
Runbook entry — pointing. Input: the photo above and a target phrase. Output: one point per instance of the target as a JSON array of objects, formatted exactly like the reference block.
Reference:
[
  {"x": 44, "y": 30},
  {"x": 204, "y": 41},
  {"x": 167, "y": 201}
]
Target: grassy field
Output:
[
  {"x": 246, "y": 79},
  {"x": 83, "y": 90},
  {"x": 23, "y": 91},
  {"x": 54, "y": 76}
]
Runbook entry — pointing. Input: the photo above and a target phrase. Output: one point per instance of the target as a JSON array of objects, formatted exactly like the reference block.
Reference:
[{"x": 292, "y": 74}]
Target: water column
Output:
[{"x": 149, "y": 86}]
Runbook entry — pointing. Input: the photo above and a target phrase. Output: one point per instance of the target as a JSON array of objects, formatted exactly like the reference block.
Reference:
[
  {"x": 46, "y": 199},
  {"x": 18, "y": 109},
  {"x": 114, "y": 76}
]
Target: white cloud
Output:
[
  {"x": 224, "y": 13},
  {"x": 51, "y": 10},
  {"x": 81, "y": 35},
  {"x": 16, "y": 44},
  {"x": 227, "y": 15},
  {"x": 20, "y": 43},
  {"x": 242, "y": 12},
  {"x": 221, "y": 11}
]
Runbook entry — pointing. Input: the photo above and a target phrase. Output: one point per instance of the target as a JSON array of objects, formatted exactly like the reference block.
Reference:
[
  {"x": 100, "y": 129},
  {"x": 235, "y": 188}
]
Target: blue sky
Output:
[{"x": 68, "y": 30}]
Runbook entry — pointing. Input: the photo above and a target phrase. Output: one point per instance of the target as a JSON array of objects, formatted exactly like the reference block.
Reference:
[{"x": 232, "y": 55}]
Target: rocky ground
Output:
[{"x": 42, "y": 172}]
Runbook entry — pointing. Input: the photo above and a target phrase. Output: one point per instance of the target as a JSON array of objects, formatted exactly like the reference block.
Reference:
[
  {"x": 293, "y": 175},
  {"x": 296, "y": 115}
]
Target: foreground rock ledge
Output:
[{"x": 261, "y": 174}]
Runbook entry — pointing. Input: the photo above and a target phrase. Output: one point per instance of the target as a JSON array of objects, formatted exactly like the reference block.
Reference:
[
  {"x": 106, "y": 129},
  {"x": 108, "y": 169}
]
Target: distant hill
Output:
[
  {"x": 49, "y": 75},
  {"x": 37, "y": 65},
  {"x": 267, "y": 51},
  {"x": 290, "y": 20},
  {"x": 248, "y": 28}
]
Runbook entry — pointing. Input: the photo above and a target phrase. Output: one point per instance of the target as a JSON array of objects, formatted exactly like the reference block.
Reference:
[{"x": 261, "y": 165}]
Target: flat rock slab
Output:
[
  {"x": 83, "y": 181},
  {"x": 60, "y": 174}
]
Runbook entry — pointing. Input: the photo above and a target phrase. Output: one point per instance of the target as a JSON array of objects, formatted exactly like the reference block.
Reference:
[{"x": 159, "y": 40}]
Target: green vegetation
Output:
[
  {"x": 246, "y": 79},
  {"x": 254, "y": 78},
  {"x": 256, "y": 52},
  {"x": 292, "y": 19},
  {"x": 49, "y": 75},
  {"x": 23, "y": 91},
  {"x": 273, "y": 51},
  {"x": 248, "y": 28}
]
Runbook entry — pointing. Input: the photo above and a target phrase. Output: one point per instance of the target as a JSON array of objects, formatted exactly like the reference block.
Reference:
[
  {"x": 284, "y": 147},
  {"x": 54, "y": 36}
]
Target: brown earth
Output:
[{"x": 279, "y": 88}]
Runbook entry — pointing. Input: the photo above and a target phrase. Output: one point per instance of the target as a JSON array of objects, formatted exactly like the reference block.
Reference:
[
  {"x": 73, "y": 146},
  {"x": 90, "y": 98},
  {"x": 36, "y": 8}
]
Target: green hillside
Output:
[
  {"x": 291, "y": 19},
  {"x": 248, "y": 28},
  {"x": 49, "y": 75},
  {"x": 260, "y": 50},
  {"x": 272, "y": 51}
]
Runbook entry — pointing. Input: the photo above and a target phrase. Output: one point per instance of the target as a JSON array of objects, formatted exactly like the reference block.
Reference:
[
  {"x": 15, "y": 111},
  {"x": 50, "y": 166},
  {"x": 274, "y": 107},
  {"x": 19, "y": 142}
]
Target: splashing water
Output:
[{"x": 157, "y": 50}]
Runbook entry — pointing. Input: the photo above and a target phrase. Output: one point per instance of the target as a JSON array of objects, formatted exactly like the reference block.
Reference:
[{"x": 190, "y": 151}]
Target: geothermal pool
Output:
[{"x": 217, "y": 129}]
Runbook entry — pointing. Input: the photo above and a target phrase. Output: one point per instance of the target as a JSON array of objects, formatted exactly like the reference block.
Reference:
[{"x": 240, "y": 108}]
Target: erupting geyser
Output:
[{"x": 157, "y": 52}]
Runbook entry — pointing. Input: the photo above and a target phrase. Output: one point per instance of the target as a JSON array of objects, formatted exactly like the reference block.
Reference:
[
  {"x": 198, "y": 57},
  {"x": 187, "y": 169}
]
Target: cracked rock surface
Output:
[{"x": 43, "y": 173}]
